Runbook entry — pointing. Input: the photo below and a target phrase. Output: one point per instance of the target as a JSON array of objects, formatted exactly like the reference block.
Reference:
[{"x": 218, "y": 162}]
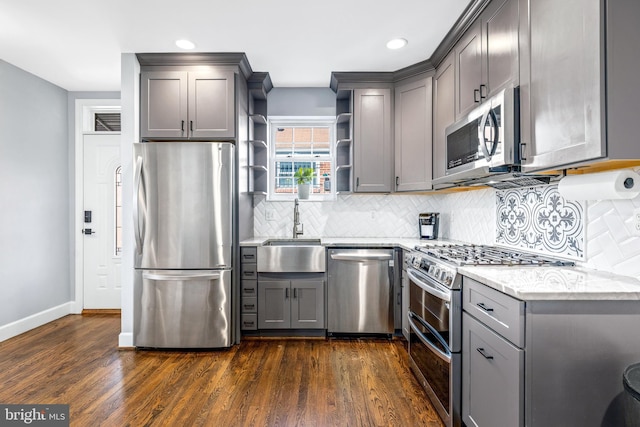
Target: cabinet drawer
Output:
[
  {"x": 493, "y": 378},
  {"x": 249, "y": 322},
  {"x": 249, "y": 304},
  {"x": 249, "y": 271},
  {"x": 248, "y": 255},
  {"x": 249, "y": 288},
  {"x": 500, "y": 312}
]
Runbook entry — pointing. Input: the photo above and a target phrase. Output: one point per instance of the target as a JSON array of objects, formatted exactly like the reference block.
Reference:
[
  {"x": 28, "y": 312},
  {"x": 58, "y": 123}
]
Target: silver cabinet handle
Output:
[{"x": 181, "y": 276}]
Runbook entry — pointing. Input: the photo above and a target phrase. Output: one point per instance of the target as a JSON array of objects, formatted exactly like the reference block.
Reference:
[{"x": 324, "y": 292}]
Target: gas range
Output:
[{"x": 441, "y": 262}]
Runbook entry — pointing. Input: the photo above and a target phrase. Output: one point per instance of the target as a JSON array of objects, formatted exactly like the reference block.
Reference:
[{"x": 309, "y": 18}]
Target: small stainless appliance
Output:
[
  {"x": 428, "y": 225},
  {"x": 484, "y": 142},
  {"x": 435, "y": 315},
  {"x": 183, "y": 244}
]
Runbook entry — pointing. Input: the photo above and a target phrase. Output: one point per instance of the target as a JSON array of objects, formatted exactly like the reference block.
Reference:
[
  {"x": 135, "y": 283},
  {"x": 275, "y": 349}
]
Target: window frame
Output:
[{"x": 301, "y": 121}]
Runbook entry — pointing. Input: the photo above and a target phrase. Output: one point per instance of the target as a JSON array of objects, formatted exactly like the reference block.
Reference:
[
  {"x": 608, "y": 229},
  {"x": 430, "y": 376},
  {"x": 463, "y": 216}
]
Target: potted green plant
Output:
[{"x": 304, "y": 177}]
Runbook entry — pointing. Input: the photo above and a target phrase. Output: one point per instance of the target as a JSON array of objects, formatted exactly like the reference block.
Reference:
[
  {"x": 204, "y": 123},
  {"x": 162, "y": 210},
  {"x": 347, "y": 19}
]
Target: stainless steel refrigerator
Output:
[{"x": 183, "y": 226}]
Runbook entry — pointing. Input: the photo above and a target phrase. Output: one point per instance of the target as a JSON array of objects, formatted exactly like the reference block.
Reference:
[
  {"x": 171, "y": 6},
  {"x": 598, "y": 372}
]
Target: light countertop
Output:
[
  {"x": 533, "y": 283},
  {"x": 528, "y": 283}
]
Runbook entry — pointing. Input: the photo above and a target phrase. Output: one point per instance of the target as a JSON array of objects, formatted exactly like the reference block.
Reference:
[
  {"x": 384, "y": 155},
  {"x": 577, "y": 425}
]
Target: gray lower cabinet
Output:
[
  {"x": 248, "y": 289},
  {"x": 372, "y": 140},
  {"x": 291, "y": 304},
  {"x": 413, "y": 135},
  {"x": 567, "y": 369},
  {"x": 187, "y": 104},
  {"x": 493, "y": 378}
]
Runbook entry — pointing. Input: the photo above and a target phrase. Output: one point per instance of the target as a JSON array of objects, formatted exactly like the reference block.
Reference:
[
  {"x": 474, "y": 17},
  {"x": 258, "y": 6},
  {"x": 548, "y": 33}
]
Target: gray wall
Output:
[
  {"x": 34, "y": 189},
  {"x": 301, "y": 101}
]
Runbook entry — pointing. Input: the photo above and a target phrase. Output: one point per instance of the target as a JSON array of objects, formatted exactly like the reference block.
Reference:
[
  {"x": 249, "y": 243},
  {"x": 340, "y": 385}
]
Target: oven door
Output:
[{"x": 438, "y": 306}]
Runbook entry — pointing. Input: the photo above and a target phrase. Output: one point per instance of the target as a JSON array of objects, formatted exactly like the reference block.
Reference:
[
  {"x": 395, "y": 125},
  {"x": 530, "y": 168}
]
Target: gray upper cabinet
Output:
[
  {"x": 181, "y": 104},
  {"x": 413, "y": 133},
  {"x": 487, "y": 55},
  {"x": 372, "y": 140},
  {"x": 163, "y": 97},
  {"x": 443, "y": 111},
  {"x": 582, "y": 91},
  {"x": 468, "y": 56}
]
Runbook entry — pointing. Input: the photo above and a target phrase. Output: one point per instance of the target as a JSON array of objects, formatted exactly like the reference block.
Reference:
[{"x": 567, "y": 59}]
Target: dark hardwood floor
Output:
[{"x": 295, "y": 382}]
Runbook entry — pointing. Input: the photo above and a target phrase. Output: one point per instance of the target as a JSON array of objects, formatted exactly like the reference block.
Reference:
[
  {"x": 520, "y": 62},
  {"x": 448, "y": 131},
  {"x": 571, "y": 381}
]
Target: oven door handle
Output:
[
  {"x": 446, "y": 356},
  {"x": 445, "y": 296}
]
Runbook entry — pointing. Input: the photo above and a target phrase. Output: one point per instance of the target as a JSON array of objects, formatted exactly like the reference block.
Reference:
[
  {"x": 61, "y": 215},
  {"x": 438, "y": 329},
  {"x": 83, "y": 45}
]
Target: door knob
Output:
[{"x": 87, "y": 231}]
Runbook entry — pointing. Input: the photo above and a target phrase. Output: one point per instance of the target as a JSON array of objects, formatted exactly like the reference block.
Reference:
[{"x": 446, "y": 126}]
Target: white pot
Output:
[{"x": 303, "y": 191}]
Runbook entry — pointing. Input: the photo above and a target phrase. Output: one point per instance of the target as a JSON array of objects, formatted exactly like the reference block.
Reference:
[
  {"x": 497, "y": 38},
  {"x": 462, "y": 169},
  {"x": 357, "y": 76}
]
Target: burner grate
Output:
[{"x": 488, "y": 255}]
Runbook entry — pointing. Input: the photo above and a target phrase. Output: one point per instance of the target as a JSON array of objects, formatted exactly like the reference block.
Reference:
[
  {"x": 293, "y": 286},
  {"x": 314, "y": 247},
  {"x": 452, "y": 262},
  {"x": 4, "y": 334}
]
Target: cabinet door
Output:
[
  {"x": 211, "y": 104},
  {"x": 274, "y": 304},
  {"x": 413, "y": 135},
  {"x": 444, "y": 112},
  {"x": 492, "y": 378},
  {"x": 307, "y": 305},
  {"x": 500, "y": 24},
  {"x": 163, "y": 109},
  {"x": 566, "y": 83},
  {"x": 372, "y": 140},
  {"x": 468, "y": 56}
]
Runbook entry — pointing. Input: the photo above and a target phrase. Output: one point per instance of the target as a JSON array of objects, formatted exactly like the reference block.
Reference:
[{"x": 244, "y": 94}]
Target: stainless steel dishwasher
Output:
[{"x": 360, "y": 291}]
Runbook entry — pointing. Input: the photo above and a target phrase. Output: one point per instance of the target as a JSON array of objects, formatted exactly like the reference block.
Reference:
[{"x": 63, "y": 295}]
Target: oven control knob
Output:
[{"x": 447, "y": 279}]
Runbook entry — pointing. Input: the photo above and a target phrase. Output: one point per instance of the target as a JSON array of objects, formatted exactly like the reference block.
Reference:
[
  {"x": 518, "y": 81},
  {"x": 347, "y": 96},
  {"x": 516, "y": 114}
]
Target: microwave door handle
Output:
[
  {"x": 482, "y": 135},
  {"x": 496, "y": 132}
]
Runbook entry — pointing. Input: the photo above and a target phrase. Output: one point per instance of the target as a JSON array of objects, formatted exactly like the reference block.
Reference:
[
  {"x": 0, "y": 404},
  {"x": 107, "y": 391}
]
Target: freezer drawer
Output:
[
  {"x": 360, "y": 291},
  {"x": 182, "y": 308}
]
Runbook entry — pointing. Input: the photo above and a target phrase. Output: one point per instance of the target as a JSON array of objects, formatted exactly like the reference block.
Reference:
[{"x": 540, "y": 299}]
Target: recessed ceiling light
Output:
[
  {"x": 397, "y": 43},
  {"x": 185, "y": 44}
]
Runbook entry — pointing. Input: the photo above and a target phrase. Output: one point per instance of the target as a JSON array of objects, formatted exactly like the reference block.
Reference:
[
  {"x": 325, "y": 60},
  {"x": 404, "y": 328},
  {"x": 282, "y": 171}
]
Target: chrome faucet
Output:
[{"x": 296, "y": 221}]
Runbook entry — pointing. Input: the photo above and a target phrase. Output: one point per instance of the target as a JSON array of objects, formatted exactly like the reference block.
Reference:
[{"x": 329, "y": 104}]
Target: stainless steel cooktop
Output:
[
  {"x": 488, "y": 255},
  {"x": 441, "y": 262}
]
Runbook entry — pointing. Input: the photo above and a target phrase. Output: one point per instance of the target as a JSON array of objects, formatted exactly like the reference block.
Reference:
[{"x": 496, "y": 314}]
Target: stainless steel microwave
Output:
[{"x": 484, "y": 142}]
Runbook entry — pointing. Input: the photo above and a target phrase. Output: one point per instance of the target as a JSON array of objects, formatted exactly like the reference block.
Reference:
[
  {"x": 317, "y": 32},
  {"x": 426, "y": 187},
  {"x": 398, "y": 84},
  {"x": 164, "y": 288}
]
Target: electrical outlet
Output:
[
  {"x": 636, "y": 221},
  {"x": 269, "y": 214},
  {"x": 373, "y": 214}
]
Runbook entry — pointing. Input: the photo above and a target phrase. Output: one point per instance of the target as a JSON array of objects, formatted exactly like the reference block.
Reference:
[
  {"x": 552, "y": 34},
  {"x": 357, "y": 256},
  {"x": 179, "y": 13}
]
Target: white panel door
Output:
[{"x": 102, "y": 260}]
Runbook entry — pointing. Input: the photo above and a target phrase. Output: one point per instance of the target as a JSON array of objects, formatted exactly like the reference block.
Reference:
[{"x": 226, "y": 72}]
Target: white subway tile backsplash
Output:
[{"x": 608, "y": 240}]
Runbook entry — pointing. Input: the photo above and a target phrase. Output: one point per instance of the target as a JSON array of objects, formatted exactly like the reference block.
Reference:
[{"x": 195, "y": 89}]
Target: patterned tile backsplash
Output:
[
  {"x": 539, "y": 219},
  {"x": 597, "y": 234}
]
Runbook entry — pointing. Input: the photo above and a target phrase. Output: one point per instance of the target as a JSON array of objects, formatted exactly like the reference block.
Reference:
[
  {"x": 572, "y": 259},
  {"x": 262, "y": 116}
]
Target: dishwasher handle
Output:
[{"x": 346, "y": 256}]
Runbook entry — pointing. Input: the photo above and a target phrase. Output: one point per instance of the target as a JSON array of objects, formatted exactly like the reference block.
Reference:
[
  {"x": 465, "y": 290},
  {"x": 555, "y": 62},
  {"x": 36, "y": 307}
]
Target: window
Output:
[
  {"x": 118, "y": 211},
  {"x": 297, "y": 143}
]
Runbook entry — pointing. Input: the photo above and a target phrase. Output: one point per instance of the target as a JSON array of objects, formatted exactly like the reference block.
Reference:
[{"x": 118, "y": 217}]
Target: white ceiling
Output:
[{"x": 76, "y": 44}]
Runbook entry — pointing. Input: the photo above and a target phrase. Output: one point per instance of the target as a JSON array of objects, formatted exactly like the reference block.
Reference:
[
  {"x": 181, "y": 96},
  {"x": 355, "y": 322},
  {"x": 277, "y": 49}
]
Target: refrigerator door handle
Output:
[
  {"x": 136, "y": 200},
  {"x": 201, "y": 275}
]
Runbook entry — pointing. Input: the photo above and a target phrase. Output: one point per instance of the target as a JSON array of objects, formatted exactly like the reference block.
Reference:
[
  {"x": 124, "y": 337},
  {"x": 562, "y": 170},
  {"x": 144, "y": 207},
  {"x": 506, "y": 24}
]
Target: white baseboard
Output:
[
  {"x": 18, "y": 327},
  {"x": 125, "y": 340}
]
